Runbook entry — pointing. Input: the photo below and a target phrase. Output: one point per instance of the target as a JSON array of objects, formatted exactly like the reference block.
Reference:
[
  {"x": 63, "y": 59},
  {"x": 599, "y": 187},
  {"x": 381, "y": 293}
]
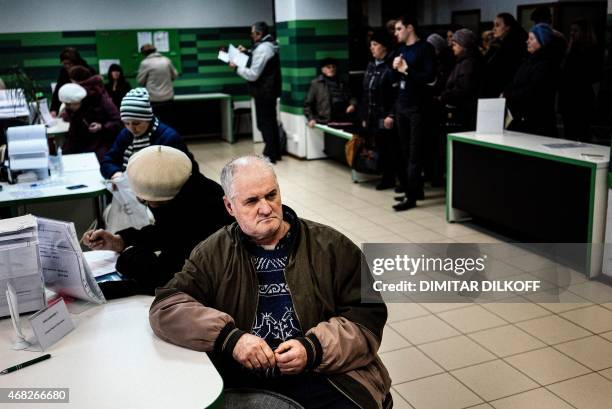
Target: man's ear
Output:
[{"x": 228, "y": 206}]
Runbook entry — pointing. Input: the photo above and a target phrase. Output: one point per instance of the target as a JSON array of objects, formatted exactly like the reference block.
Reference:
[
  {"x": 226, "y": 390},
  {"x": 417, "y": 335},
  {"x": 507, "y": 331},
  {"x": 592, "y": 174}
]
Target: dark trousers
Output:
[
  {"x": 164, "y": 111},
  {"x": 389, "y": 157},
  {"x": 411, "y": 130},
  {"x": 265, "y": 110},
  {"x": 311, "y": 390}
]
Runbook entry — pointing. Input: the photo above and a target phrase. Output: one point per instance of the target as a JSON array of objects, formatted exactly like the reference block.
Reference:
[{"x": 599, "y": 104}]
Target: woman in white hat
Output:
[
  {"x": 94, "y": 120},
  {"x": 188, "y": 207}
]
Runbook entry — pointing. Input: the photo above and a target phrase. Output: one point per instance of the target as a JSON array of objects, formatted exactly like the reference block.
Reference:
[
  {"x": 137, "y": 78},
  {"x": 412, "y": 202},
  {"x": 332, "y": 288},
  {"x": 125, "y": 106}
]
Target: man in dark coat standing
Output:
[
  {"x": 188, "y": 207},
  {"x": 264, "y": 80}
]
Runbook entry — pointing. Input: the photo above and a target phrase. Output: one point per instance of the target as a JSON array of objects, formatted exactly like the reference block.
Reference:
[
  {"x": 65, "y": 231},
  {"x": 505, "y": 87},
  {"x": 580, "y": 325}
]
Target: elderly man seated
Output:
[{"x": 276, "y": 301}]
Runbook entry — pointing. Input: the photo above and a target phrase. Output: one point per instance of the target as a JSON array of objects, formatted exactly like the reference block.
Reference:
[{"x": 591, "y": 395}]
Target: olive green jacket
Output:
[{"x": 213, "y": 301}]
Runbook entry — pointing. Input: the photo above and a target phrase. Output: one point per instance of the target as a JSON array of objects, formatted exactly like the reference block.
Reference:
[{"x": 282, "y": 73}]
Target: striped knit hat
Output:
[{"x": 136, "y": 106}]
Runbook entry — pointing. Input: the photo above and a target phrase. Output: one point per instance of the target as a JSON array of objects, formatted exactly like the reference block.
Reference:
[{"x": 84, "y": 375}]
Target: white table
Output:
[
  {"x": 113, "y": 360},
  {"x": 79, "y": 169},
  {"x": 517, "y": 182}
]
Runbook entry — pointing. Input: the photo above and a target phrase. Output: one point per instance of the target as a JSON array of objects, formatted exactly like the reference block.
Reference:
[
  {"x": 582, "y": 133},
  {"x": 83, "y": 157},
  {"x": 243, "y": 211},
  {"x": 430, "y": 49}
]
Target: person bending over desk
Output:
[
  {"x": 142, "y": 129},
  {"x": 276, "y": 301},
  {"x": 187, "y": 206},
  {"x": 94, "y": 120}
]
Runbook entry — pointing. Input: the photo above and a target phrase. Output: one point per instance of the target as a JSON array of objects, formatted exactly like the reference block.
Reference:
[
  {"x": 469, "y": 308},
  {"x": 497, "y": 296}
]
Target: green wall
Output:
[
  {"x": 303, "y": 43},
  {"x": 38, "y": 54}
]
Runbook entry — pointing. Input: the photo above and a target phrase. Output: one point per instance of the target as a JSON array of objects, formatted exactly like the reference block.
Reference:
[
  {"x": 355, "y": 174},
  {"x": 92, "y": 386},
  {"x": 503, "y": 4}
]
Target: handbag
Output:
[{"x": 362, "y": 156}]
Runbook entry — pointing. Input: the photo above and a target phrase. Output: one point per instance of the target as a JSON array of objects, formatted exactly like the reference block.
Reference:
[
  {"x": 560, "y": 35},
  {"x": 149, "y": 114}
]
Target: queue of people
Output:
[{"x": 434, "y": 87}]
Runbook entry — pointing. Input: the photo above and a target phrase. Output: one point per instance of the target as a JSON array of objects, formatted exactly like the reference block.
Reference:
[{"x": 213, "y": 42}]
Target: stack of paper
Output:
[
  {"x": 20, "y": 264},
  {"x": 63, "y": 265},
  {"x": 234, "y": 56}
]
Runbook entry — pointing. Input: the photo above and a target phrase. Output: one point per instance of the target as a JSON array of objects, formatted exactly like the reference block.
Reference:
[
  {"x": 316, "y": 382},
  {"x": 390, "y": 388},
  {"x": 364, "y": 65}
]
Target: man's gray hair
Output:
[{"x": 228, "y": 172}]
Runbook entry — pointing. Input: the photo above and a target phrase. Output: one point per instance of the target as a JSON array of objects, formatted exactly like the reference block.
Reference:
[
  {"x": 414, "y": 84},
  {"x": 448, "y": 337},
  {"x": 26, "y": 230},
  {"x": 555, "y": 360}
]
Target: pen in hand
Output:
[{"x": 23, "y": 365}]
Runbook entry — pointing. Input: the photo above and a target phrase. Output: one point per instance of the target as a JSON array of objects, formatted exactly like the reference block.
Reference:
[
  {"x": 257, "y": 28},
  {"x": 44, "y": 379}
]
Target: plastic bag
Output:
[{"x": 125, "y": 211}]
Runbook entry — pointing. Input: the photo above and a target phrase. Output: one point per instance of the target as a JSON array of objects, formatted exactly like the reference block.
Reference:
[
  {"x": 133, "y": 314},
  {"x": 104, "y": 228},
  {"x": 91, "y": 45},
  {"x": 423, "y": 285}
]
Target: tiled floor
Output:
[{"x": 451, "y": 356}]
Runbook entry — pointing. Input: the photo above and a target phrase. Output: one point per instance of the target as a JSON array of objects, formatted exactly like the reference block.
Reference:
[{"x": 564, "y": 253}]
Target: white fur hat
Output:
[{"x": 71, "y": 93}]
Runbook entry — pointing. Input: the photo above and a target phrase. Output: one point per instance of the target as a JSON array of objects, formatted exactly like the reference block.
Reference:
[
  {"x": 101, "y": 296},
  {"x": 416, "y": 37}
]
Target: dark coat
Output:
[
  {"x": 531, "y": 97},
  {"x": 318, "y": 103},
  {"x": 96, "y": 107},
  {"x": 502, "y": 61},
  {"x": 195, "y": 213},
  {"x": 379, "y": 93},
  {"x": 117, "y": 94},
  {"x": 163, "y": 135},
  {"x": 268, "y": 85},
  {"x": 462, "y": 86}
]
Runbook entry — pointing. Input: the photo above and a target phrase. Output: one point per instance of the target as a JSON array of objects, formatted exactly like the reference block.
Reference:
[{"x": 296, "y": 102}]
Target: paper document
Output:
[
  {"x": 46, "y": 117},
  {"x": 20, "y": 265},
  {"x": 223, "y": 56},
  {"x": 63, "y": 265},
  {"x": 144, "y": 37},
  {"x": 101, "y": 261},
  {"x": 161, "y": 41},
  {"x": 236, "y": 57},
  {"x": 490, "y": 119}
]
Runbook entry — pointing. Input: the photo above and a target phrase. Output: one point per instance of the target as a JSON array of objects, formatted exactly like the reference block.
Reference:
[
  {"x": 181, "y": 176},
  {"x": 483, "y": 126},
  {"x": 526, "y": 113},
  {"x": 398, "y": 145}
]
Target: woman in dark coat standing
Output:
[
  {"x": 581, "y": 70},
  {"x": 461, "y": 91},
  {"x": 117, "y": 86},
  {"x": 505, "y": 55},
  {"x": 531, "y": 97},
  {"x": 377, "y": 115}
]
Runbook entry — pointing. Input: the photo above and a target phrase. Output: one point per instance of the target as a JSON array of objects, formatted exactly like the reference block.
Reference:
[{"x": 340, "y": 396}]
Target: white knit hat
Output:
[
  {"x": 157, "y": 173},
  {"x": 71, "y": 93}
]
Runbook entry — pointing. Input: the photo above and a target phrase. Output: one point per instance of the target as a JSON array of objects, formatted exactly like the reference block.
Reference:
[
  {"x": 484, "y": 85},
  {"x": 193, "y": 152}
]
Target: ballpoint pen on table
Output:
[{"x": 24, "y": 364}]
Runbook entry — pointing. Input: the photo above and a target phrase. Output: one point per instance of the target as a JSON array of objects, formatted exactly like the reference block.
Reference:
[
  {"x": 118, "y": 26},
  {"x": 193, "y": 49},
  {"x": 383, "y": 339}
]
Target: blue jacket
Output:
[{"x": 163, "y": 135}]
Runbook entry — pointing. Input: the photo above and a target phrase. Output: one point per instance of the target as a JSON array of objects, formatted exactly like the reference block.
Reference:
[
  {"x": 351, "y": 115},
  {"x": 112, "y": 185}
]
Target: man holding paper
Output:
[{"x": 261, "y": 69}]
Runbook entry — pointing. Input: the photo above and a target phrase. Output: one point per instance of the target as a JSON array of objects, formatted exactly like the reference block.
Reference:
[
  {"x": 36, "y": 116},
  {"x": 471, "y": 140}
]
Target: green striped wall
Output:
[
  {"x": 38, "y": 54},
  {"x": 202, "y": 71},
  {"x": 303, "y": 43}
]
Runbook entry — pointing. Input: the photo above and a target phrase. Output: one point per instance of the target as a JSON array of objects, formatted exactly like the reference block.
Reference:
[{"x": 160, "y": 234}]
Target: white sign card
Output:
[
  {"x": 490, "y": 119},
  {"x": 51, "y": 324}
]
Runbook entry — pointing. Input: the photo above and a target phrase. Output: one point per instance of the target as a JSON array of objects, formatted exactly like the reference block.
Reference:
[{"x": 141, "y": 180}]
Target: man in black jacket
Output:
[
  {"x": 264, "y": 80},
  {"x": 415, "y": 66},
  {"x": 188, "y": 207}
]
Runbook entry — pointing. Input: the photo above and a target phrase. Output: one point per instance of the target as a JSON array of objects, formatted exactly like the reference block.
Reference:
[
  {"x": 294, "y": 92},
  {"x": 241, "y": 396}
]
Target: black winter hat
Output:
[{"x": 382, "y": 37}]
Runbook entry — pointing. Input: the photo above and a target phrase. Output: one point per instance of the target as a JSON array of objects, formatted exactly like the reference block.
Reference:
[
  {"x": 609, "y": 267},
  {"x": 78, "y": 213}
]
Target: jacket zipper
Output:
[{"x": 342, "y": 392}]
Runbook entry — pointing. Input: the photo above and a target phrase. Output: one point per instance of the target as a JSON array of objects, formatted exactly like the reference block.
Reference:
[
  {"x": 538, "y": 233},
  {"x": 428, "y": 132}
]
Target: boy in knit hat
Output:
[
  {"x": 188, "y": 207},
  {"x": 142, "y": 129}
]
